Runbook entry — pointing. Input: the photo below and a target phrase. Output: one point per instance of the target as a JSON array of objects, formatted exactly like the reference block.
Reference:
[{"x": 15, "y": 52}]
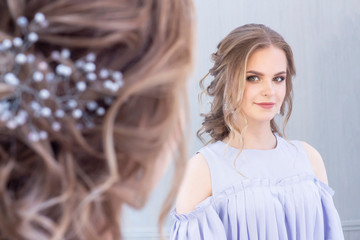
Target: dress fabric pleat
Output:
[{"x": 254, "y": 213}]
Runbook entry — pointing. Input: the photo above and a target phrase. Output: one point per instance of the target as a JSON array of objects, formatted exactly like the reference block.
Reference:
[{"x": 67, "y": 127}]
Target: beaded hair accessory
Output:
[{"x": 44, "y": 94}]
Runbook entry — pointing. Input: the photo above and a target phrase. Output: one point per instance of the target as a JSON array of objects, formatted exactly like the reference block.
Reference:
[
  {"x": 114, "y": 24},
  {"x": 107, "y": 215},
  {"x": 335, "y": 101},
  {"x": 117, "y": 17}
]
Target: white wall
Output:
[{"x": 325, "y": 38}]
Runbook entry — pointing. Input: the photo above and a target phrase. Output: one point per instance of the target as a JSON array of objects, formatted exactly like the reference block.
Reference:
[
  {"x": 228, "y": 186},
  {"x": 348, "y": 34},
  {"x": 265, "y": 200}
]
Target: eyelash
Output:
[
  {"x": 251, "y": 79},
  {"x": 281, "y": 79}
]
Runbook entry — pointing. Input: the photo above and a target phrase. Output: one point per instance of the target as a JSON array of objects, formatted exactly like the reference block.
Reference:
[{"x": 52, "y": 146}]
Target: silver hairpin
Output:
[{"x": 42, "y": 85}]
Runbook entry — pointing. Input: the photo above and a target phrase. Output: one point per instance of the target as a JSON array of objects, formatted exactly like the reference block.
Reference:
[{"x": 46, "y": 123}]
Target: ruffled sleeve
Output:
[
  {"x": 331, "y": 219},
  {"x": 203, "y": 223}
]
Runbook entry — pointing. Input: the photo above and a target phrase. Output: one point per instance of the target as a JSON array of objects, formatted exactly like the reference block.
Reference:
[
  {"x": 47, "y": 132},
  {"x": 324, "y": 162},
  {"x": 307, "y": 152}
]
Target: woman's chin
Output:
[{"x": 263, "y": 118}]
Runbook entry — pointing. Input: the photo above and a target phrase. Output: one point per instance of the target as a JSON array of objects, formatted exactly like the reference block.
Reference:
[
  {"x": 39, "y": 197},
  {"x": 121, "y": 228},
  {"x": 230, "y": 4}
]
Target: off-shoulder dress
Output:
[{"x": 278, "y": 198}]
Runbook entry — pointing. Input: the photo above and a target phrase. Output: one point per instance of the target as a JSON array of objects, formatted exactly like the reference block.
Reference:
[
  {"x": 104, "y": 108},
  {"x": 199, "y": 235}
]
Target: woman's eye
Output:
[
  {"x": 252, "y": 78},
  {"x": 279, "y": 79}
]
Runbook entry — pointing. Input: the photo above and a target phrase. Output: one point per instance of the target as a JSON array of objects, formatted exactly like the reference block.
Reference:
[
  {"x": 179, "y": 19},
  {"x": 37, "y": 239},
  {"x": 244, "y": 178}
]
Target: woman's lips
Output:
[{"x": 266, "y": 105}]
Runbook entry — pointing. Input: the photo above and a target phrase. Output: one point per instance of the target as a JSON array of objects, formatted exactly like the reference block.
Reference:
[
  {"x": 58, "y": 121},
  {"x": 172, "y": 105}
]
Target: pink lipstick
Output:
[{"x": 266, "y": 105}]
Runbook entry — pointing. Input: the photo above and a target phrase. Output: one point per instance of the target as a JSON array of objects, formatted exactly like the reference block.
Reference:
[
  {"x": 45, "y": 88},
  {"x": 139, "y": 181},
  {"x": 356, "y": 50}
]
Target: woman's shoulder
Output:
[
  {"x": 210, "y": 146},
  {"x": 195, "y": 186},
  {"x": 316, "y": 161}
]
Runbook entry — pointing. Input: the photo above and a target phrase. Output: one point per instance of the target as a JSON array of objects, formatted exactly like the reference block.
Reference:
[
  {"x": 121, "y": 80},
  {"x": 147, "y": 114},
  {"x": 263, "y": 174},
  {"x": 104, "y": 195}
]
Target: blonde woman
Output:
[
  {"x": 91, "y": 111},
  {"x": 250, "y": 182}
]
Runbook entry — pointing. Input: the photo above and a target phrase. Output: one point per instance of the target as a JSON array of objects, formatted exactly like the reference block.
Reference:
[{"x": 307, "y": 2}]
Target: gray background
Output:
[{"x": 325, "y": 38}]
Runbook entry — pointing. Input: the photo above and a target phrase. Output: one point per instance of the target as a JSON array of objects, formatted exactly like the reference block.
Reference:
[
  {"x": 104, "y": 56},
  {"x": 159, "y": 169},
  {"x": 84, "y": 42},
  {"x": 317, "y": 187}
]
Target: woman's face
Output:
[{"x": 265, "y": 85}]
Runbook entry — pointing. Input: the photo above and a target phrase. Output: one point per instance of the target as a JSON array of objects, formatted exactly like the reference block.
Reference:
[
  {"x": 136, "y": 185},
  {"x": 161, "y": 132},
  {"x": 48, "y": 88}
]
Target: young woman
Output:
[
  {"x": 91, "y": 111},
  {"x": 250, "y": 182}
]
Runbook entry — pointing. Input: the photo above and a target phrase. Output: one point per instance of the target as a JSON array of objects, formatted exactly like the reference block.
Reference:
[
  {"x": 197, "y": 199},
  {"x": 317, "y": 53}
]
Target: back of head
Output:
[
  {"x": 229, "y": 77},
  {"x": 90, "y": 94}
]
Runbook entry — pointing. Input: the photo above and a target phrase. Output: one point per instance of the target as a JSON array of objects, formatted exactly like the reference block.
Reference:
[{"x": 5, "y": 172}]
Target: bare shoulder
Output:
[
  {"x": 196, "y": 185},
  {"x": 317, "y": 162}
]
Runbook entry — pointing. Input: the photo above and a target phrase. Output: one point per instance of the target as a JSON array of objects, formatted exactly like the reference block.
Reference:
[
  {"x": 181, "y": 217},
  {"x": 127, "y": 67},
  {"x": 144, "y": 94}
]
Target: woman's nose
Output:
[{"x": 268, "y": 88}]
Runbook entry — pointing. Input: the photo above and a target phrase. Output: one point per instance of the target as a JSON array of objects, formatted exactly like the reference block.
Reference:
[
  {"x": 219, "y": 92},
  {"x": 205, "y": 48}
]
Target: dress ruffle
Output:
[{"x": 296, "y": 207}]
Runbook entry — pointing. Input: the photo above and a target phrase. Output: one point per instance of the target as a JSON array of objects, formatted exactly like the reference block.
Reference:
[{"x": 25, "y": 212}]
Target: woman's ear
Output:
[
  {"x": 135, "y": 190},
  {"x": 129, "y": 195},
  {"x": 168, "y": 152}
]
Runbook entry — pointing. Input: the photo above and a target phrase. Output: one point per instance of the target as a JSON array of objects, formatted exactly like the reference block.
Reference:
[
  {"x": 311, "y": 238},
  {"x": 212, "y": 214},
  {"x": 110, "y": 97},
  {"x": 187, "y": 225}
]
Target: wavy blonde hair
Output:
[
  {"x": 72, "y": 185},
  {"x": 229, "y": 77}
]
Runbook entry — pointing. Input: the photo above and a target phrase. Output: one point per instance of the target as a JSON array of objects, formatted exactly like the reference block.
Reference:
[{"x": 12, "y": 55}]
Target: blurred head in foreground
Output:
[{"x": 92, "y": 106}]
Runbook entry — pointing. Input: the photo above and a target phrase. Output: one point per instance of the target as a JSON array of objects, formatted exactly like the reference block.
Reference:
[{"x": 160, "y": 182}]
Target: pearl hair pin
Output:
[{"x": 40, "y": 92}]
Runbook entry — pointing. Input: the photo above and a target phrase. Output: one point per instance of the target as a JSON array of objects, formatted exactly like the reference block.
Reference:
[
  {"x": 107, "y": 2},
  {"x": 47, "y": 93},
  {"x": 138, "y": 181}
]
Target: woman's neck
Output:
[{"x": 259, "y": 136}]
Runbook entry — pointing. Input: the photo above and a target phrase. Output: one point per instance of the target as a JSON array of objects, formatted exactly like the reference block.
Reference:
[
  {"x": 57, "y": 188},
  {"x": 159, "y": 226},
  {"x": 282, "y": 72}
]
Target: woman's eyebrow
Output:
[
  {"x": 261, "y": 74},
  {"x": 280, "y": 73},
  {"x": 255, "y": 72}
]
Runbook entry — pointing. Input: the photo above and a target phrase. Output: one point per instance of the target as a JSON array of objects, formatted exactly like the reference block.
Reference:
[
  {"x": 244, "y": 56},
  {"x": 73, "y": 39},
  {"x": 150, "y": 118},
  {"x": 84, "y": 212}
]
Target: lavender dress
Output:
[{"x": 280, "y": 198}]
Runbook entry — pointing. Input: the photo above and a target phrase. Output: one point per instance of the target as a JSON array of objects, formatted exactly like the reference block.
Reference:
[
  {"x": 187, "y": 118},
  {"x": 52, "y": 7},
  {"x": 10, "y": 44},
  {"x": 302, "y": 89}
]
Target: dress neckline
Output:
[{"x": 254, "y": 149}]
